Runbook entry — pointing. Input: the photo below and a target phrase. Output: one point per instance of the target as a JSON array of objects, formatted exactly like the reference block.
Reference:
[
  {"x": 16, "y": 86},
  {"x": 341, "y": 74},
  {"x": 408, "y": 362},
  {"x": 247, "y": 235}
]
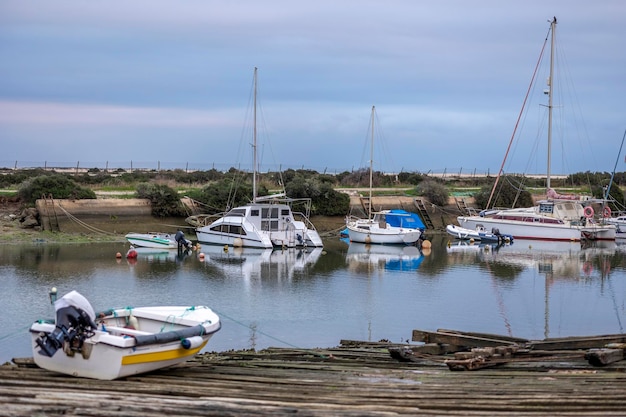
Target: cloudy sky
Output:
[{"x": 168, "y": 84}]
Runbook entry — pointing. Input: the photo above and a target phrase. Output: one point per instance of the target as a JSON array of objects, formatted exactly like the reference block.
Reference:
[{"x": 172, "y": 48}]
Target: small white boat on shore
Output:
[
  {"x": 479, "y": 233},
  {"x": 157, "y": 240},
  {"x": 119, "y": 342}
]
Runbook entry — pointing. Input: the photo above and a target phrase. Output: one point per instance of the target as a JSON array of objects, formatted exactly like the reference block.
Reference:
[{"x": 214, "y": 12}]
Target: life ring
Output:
[
  {"x": 588, "y": 212},
  {"x": 606, "y": 212}
]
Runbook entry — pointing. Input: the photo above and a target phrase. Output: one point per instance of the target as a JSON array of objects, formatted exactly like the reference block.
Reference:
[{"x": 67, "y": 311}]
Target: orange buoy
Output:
[{"x": 118, "y": 255}]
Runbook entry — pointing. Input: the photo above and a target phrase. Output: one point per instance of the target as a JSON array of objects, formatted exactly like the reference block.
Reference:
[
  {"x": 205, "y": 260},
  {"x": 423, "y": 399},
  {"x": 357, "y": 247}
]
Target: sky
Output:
[{"x": 168, "y": 84}]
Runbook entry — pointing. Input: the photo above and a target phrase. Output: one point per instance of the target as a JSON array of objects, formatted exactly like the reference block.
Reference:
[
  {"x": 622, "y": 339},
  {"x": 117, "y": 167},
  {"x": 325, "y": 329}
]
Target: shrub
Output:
[
  {"x": 55, "y": 185},
  {"x": 163, "y": 199},
  {"x": 509, "y": 194},
  {"x": 434, "y": 192}
]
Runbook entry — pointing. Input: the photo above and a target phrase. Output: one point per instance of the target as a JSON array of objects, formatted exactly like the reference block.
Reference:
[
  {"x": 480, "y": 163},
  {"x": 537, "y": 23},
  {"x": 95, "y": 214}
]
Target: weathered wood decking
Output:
[{"x": 356, "y": 379}]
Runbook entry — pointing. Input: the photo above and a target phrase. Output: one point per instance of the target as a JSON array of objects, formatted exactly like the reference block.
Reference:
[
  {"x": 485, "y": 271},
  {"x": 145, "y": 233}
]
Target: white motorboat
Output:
[
  {"x": 266, "y": 222},
  {"x": 119, "y": 342},
  {"x": 157, "y": 240},
  {"x": 479, "y": 233},
  {"x": 386, "y": 226},
  {"x": 559, "y": 217}
]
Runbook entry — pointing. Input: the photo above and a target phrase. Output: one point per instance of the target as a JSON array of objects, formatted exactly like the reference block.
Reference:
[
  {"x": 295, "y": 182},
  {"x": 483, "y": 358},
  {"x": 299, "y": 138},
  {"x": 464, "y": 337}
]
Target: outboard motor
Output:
[
  {"x": 181, "y": 240},
  {"x": 74, "y": 324}
]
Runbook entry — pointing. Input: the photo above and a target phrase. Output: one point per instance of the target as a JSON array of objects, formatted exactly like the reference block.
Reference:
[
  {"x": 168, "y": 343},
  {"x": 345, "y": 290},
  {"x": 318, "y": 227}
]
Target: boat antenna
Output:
[
  {"x": 254, "y": 162},
  {"x": 608, "y": 189},
  {"x": 519, "y": 117}
]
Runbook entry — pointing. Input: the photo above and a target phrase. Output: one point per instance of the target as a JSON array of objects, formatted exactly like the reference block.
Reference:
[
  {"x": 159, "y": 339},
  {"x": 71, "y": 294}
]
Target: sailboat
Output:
[
  {"x": 558, "y": 217},
  {"x": 266, "y": 222},
  {"x": 385, "y": 226}
]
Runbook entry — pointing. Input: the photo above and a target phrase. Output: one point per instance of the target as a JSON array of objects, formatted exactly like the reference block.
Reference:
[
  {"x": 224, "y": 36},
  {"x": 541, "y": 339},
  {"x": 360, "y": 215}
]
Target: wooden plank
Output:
[
  {"x": 457, "y": 339},
  {"x": 512, "y": 339},
  {"x": 592, "y": 342},
  {"x": 603, "y": 357}
]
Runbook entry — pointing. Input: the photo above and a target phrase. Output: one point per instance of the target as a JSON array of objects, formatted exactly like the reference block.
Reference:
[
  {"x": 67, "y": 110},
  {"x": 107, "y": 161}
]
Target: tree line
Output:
[{"x": 219, "y": 191}]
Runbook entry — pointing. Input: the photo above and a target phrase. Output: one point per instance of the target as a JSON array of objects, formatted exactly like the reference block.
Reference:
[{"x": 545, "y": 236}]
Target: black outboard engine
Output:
[
  {"x": 74, "y": 324},
  {"x": 182, "y": 241}
]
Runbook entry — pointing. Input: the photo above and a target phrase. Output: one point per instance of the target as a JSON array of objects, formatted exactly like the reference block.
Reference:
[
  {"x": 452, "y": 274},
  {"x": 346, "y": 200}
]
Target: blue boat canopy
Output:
[{"x": 403, "y": 218}]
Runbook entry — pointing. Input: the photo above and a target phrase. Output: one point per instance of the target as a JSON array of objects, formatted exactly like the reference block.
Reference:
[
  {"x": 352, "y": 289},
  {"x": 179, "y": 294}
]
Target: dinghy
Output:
[
  {"x": 480, "y": 233},
  {"x": 119, "y": 342}
]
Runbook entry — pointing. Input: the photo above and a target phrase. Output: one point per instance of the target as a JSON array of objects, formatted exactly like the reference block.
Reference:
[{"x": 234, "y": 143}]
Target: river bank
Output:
[{"x": 109, "y": 219}]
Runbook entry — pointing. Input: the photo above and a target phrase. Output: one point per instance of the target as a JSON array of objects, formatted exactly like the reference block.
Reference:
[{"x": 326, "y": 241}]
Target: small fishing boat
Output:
[
  {"x": 480, "y": 233},
  {"x": 158, "y": 240},
  {"x": 119, "y": 342}
]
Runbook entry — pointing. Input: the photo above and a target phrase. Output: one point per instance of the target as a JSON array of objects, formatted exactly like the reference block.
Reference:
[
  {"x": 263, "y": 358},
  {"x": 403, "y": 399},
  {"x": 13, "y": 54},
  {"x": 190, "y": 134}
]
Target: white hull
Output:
[
  {"x": 540, "y": 231},
  {"x": 480, "y": 234},
  {"x": 114, "y": 351},
  {"x": 379, "y": 231},
  {"x": 260, "y": 225},
  {"x": 152, "y": 240},
  {"x": 380, "y": 236}
]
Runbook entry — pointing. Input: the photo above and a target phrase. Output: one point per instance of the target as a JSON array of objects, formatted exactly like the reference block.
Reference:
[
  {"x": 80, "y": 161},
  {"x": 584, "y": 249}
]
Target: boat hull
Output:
[
  {"x": 116, "y": 351},
  {"x": 152, "y": 240},
  {"x": 357, "y": 233},
  {"x": 539, "y": 231},
  {"x": 462, "y": 233},
  {"x": 260, "y": 225}
]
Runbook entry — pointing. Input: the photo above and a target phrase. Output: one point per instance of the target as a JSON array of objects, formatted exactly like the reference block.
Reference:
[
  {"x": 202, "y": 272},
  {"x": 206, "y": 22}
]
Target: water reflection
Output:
[
  {"x": 259, "y": 264},
  {"x": 316, "y": 297},
  {"x": 366, "y": 258}
]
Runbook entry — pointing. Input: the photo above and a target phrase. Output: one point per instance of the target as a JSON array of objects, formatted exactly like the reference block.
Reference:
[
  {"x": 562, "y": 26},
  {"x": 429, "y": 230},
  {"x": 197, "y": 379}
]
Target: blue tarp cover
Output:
[{"x": 403, "y": 218}]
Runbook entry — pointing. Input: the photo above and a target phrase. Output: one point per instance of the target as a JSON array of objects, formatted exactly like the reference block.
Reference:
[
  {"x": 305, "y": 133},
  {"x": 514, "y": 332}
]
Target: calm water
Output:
[{"x": 316, "y": 298}]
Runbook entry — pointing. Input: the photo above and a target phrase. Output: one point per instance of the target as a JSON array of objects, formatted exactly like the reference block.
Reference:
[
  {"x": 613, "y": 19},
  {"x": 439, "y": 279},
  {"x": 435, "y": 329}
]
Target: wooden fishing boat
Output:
[{"x": 119, "y": 342}]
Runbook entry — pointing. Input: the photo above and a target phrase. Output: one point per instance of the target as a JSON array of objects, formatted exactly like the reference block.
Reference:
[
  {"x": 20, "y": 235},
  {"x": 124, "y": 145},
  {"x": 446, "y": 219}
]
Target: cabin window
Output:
[
  {"x": 284, "y": 212},
  {"x": 274, "y": 214},
  {"x": 237, "y": 230},
  {"x": 237, "y": 212},
  {"x": 546, "y": 208},
  {"x": 269, "y": 225},
  {"x": 254, "y": 212}
]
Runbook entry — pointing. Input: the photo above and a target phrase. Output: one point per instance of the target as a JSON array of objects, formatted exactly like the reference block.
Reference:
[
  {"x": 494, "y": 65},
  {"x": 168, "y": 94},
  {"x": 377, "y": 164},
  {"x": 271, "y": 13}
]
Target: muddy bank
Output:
[{"x": 111, "y": 218}]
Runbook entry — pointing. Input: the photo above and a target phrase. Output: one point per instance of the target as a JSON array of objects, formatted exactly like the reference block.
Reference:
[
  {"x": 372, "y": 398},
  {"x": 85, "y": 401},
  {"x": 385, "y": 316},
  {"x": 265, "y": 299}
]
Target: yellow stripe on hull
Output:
[{"x": 165, "y": 355}]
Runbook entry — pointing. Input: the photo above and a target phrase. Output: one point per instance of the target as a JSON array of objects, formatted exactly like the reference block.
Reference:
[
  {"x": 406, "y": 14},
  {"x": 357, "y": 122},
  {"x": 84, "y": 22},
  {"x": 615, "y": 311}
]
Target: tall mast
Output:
[
  {"x": 254, "y": 142},
  {"x": 550, "y": 85},
  {"x": 371, "y": 164}
]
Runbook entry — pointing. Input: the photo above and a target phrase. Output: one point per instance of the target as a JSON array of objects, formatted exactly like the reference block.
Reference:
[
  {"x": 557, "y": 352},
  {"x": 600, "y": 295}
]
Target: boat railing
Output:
[
  {"x": 304, "y": 218},
  {"x": 200, "y": 220}
]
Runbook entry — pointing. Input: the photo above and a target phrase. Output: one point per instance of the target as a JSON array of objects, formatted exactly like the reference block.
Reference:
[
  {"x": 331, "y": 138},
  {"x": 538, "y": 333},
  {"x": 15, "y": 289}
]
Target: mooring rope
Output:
[
  {"x": 82, "y": 223},
  {"x": 269, "y": 335}
]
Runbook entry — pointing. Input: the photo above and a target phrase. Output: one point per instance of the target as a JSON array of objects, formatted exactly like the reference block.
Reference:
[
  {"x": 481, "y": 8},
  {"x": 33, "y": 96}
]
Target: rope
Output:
[
  {"x": 270, "y": 336},
  {"x": 82, "y": 223}
]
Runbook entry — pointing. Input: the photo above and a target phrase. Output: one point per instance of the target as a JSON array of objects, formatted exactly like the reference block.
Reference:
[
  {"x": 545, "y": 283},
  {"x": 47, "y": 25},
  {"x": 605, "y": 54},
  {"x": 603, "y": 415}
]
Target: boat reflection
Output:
[
  {"x": 557, "y": 260},
  {"x": 364, "y": 257},
  {"x": 158, "y": 255},
  {"x": 254, "y": 263}
]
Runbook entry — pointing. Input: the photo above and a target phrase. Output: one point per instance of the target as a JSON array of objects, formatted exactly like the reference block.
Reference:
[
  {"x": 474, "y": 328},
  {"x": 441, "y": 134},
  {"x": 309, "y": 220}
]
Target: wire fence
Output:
[{"x": 81, "y": 167}]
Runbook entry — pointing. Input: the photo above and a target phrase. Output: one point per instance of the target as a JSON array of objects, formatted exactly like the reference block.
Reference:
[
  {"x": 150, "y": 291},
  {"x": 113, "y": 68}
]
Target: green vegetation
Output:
[
  {"x": 164, "y": 200},
  {"x": 56, "y": 186},
  {"x": 433, "y": 191},
  {"x": 509, "y": 193},
  {"x": 221, "y": 190}
]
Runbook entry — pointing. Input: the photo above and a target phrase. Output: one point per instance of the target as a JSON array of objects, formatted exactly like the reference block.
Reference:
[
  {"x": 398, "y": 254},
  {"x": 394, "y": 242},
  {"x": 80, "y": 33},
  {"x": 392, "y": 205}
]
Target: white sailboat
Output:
[
  {"x": 266, "y": 222},
  {"x": 566, "y": 218},
  {"x": 385, "y": 226}
]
